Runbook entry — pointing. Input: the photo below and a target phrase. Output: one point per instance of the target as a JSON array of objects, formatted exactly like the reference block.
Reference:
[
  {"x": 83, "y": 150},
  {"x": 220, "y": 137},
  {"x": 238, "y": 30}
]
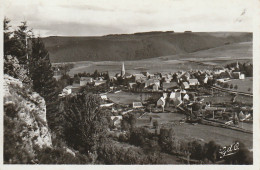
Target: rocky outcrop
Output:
[
  {"x": 16, "y": 70},
  {"x": 28, "y": 110}
]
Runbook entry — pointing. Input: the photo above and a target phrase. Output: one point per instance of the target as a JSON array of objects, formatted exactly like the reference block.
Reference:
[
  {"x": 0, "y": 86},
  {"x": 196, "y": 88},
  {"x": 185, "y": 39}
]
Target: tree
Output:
[
  {"x": 156, "y": 124},
  {"x": 211, "y": 151},
  {"x": 85, "y": 123},
  {"x": 8, "y": 43},
  {"x": 225, "y": 85},
  {"x": 128, "y": 122},
  {"x": 20, "y": 50},
  {"x": 166, "y": 139},
  {"x": 44, "y": 83}
]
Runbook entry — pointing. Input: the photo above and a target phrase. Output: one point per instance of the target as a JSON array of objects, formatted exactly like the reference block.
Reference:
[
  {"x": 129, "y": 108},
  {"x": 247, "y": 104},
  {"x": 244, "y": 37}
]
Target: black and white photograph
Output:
[{"x": 134, "y": 82}]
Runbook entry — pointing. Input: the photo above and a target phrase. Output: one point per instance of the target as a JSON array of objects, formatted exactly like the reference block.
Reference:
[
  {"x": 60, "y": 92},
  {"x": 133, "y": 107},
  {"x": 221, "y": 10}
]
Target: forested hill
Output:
[{"x": 136, "y": 46}]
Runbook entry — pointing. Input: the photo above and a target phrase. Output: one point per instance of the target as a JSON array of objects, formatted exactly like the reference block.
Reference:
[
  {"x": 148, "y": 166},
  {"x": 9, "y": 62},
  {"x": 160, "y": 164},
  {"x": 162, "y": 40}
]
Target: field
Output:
[
  {"x": 243, "y": 85},
  {"x": 124, "y": 97},
  {"x": 227, "y": 98},
  {"x": 204, "y": 59},
  {"x": 222, "y": 136},
  {"x": 127, "y": 98}
]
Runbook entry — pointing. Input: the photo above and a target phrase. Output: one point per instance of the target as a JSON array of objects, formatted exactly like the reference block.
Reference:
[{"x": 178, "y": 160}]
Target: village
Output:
[{"x": 195, "y": 97}]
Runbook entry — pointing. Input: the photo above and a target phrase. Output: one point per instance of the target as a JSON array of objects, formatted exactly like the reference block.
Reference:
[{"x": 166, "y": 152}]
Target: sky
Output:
[{"x": 102, "y": 17}]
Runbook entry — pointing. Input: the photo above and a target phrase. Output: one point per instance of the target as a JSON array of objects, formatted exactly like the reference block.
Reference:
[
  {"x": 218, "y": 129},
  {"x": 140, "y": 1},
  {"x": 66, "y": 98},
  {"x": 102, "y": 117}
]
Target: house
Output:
[
  {"x": 236, "y": 75},
  {"x": 152, "y": 82},
  {"x": 205, "y": 80},
  {"x": 193, "y": 82},
  {"x": 183, "y": 91},
  {"x": 161, "y": 102},
  {"x": 155, "y": 87},
  {"x": 185, "y": 76},
  {"x": 137, "y": 105},
  {"x": 70, "y": 89},
  {"x": 138, "y": 76},
  {"x": 145, "y": 73},
  {"x": 242, "y": 76},
  {"x": 221, "y": 80},
  {"x": 116, "y": 120},
  {"x": 185, "y": 85},
  {"x": 106, "y": 105},
  {"x": 99, "y": 82},
  {"x": 85, "y": 80},
  {"x": 103, "y": 96},
  {"x": 175, "y": 97},
  {"x": 219, "y": 70},
  {"x": 166, "y": 86},
  {"x": 151, "y": 76},
  {"x": 186, "y": 97},
  {"x": 132, "y": 85},
  {"x": 67, "y": 90}
]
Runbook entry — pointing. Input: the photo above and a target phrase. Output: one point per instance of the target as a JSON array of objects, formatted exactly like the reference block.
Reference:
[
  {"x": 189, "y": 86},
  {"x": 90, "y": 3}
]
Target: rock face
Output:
[{"x": 29, "y": 115}]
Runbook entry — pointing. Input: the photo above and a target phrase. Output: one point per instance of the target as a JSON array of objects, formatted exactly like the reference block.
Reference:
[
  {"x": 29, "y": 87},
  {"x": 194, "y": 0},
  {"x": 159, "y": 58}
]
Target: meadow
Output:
[
  {"x": 245, "y": 85},
  {"x": 204, "y": 59},
  {"x": 222, "y": 136}
]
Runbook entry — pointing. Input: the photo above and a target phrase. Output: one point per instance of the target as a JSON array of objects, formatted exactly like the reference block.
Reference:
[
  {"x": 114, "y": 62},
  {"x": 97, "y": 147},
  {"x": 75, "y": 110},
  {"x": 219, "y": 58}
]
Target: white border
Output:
[{"x": 256, "y": 126}]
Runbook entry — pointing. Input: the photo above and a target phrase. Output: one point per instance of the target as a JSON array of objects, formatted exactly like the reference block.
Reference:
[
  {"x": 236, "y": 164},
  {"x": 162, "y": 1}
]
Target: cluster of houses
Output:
[
  {"x": 74, "y": 88},
  {"x": 145, "y": 81}
]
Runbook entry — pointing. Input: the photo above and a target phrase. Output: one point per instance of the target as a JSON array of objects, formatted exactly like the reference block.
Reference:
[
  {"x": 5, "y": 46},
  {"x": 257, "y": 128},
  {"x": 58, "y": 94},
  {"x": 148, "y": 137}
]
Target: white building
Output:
[{"x": 137, "y": 105}]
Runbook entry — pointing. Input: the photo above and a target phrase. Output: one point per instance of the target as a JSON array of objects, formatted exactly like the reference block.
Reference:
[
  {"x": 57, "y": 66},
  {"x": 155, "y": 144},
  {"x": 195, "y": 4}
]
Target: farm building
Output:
[{"x": 137, "y": 105}]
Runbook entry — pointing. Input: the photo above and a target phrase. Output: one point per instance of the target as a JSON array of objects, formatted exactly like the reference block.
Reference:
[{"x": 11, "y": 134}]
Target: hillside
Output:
[{"x": 136, "y": 46}]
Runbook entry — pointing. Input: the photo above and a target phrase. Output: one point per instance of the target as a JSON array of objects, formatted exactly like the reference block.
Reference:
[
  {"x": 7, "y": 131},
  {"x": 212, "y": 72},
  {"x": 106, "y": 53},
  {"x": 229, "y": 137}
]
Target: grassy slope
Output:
[
  {"x": 170, "y": 63},
  {"x": 136, "y": 46}
]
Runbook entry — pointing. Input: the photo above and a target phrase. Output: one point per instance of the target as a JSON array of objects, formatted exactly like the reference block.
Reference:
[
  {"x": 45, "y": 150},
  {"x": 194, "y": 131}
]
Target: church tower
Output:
[
  {"x": 123, "y": 70},
  {"x": 237, "y": 66}
]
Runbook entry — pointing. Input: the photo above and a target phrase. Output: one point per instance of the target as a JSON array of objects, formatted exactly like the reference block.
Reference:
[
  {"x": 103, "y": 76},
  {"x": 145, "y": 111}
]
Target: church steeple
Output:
[
  {"x": 123, "y": 70},
  {"x": 237, "y": 66}
]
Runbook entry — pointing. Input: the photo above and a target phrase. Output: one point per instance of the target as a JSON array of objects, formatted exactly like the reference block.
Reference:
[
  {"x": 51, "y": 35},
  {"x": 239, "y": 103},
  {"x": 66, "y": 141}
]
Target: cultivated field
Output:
[
  {"x": 204, "y": 59},
  {"x": 124, "y": 98},
  {"x": 222, "y": 136},
  {"x": 243, "y": 85}
]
